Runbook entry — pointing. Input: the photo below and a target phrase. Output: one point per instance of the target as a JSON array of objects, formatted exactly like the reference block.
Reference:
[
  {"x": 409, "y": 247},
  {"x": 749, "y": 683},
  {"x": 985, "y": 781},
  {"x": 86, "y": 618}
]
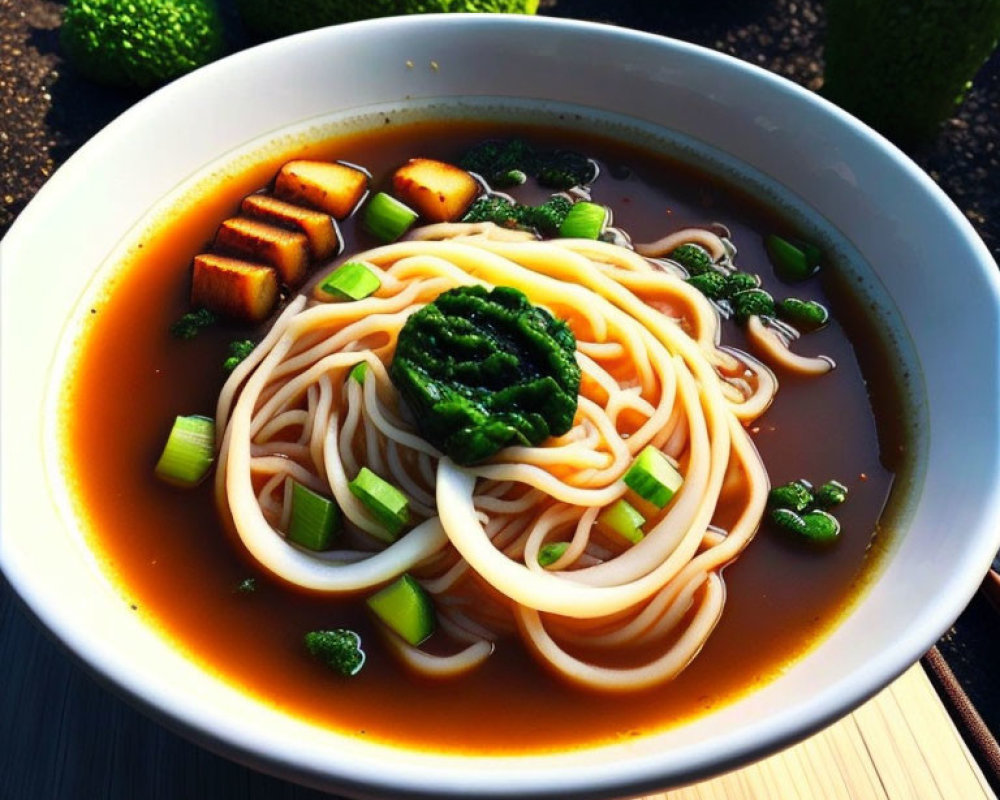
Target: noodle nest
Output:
[{"x": 606, "y": 614}]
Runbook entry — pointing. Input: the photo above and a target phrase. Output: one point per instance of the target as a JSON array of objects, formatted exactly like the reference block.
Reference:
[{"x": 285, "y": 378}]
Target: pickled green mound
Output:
[
  {"x": 269, "y": 19},
  {"x": 482, "y": 370},
  {"x": 140, "y": 43}
]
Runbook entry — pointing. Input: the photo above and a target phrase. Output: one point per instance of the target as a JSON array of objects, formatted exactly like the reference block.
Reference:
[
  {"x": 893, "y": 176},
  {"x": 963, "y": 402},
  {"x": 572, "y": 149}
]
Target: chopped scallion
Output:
[
  {"x": 406, "y": 608},
  {"x": 351, "y": 281},
  {"x": 359, "y": 371},
  {"x": 585, "y": 220},
  {"x": 387, "y": 504},
  {"x": 315, "y": 519},
  {"x": 653, "y": 477},
  {"x": 189, "y": 452},
  {"x": 791, "y": 262},
  {"x": 550, "y": 553},
  {"x": 388, "y": 218},
  {"x": 622, "y": 519}
]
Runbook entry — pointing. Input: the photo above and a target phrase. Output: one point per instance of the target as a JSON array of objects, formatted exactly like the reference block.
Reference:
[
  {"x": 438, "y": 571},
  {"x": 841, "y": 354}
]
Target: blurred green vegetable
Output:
[
  {"x": 140, "y": 43},
  {"x": 903, "y": 65},
  {"x": 269, "y": 19}
]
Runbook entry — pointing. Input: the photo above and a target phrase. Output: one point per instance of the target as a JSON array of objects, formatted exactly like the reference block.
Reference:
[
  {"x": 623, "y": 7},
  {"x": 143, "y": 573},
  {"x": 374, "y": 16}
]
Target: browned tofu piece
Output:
[
  {"x": 440, "y": 192},
  {"x": 317, "y": 226},
  {"x": 234, "y": 288},
  {"x": 331, "y": 187},
  {"x": 286, "y": 251}
]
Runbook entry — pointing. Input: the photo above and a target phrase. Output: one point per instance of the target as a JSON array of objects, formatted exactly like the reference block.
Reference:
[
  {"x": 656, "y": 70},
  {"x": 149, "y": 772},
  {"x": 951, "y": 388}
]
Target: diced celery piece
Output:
[
  {"x": 388, "y": 218},
  {"x": 406, "y": 608},
  {"x": 621, "y": 518},
  {"x": 585, "y": 220},
  {"x": 315, "y": 519},
  {"x": 189, "y": 451},
  {"x": 550, "y": 553},
  {"x": 386, "y": 503},
  {"x": 653, "y": 477},
  {"x": 351, "y": 281},
  {"x": 358, "y": 372}
]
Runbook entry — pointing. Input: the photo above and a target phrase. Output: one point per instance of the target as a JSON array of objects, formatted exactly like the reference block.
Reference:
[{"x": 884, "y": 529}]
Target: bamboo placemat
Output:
[{"x": 900, "y": 745}]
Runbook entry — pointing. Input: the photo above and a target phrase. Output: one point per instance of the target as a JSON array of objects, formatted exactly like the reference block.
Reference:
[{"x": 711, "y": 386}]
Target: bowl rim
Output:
[{"x": 412, "y": 779}]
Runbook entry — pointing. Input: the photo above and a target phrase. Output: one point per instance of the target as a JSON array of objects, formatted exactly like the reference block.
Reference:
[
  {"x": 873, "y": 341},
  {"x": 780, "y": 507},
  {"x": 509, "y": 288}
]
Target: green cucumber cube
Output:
[
  {"x": 358, "y": 372},
  {"x": 406, "y": 608},
  {"x": 653, "y": 477}
]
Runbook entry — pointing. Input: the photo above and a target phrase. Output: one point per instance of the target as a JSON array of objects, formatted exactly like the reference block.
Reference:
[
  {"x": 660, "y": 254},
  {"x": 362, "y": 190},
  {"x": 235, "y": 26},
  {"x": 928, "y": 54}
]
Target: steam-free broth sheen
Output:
[{"x": 177, "y": 565}]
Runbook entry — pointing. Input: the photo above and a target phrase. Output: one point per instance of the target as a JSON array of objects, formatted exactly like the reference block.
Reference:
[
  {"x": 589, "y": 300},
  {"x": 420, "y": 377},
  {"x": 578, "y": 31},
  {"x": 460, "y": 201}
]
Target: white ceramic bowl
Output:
[{"x": 929, "y": 273}]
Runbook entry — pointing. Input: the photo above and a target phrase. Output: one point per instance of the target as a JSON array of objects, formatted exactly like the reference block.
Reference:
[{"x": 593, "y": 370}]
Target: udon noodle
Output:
[{"x": 604, "y": 615}]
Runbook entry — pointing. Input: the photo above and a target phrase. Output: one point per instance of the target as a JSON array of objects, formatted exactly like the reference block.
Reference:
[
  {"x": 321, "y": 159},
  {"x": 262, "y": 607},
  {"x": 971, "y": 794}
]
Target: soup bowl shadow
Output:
[{"x": 892, "y": 224}]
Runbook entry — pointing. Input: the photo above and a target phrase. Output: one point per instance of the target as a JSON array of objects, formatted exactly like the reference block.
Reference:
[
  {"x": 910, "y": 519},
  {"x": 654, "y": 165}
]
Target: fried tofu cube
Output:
[
  {"x": 326, "y": 185},
  {"x": 234, "y": 288},
  {"x": 317, "y": 226},
  {"x": 441, "y": 192},
  {"x": 286, "y": 251}
]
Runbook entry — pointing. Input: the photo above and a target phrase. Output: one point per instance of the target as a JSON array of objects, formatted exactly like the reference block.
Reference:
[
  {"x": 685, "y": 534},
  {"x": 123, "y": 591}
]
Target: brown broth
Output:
[{"x": 169, "y": 554}]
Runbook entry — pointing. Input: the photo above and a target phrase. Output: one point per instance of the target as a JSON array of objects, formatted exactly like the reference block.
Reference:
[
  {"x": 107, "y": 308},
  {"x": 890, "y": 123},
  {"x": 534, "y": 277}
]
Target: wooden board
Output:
[{"x": 901, "y": 745}]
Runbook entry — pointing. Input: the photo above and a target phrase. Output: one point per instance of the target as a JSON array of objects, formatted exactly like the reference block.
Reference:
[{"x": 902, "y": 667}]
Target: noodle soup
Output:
[{"x": 184, "y": 564}]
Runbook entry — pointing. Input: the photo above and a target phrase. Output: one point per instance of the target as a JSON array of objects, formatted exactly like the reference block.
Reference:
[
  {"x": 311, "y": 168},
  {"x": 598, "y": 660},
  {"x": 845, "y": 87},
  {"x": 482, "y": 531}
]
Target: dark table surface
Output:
[{"x": 62, "y": 735}]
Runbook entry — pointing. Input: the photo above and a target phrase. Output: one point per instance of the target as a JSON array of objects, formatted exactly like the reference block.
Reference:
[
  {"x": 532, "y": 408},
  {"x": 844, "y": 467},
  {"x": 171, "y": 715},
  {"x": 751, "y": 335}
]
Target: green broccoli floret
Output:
[
  {"x": 502, "y": 163},
  {"x": 752, "y": 302},
  {"x": 693, "y": 257},
  {"x": 796, "y": 496},
  {"x": 340, "y": 649},
  {"x": 481, "y": 370},
  {"x": 493, "y": 208},
  {"x": 192, "y": 323},
  {"x": 238, "y": 350},
  {"x": 140, "y": 43},
  {"x": 903, "y": 67},
  {"x": 548, "y": 217},
  {"x": 564, "y": 169},
  {"x": 712, "y": 284},
  {"x": 737, "y": 282},
  {"x": 269, "y": 19},
  {"x": 806, "y": 315},
  {"x": 830, "y": 494}
]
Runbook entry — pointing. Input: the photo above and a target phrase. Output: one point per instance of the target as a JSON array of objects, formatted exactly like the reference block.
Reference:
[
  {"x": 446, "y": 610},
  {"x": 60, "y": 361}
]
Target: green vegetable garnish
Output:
[
  {"x": 358, "y": 372},
  {"x": 545, "y": 218},
  {"x": 712, "y": 284},
  {"x": 189, "y": 452},
  {"x": 624, "y": 520},
  {"x": 238, "y": 351},
  {"x": 653, "y": 477},
  {"x": 483, "y": 369},
  {"x": 752, "y": 302},
  {"x": 738, "y": 282},
  {"x": 792, "y": 262},
  {"x": 351, "y": 281},
  {"x": 247, "y": 586},
  {"x": 830, "y": 494},
  {"x": 340, "y": 649},
  {"x": 192, "y": 323},
  {"x": 507, "y": 162},
  {"x": 549, "y": 554},
  {"x": 387, "y": 218},
  {"x": 386, "y": 503},
  {"x": 806, "y": 315},
  {"x": 796, "y": 496},
  {"x": 564, "y": 169},
  {"x": 140, "y": 43},
  {"x": 406, "y": 608},
  {"x": 815, "y": 526},
  {"x": 693, "y": 257},
  {"x": 315, "y": 519},
  {"x": 584, "y": 220}
]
